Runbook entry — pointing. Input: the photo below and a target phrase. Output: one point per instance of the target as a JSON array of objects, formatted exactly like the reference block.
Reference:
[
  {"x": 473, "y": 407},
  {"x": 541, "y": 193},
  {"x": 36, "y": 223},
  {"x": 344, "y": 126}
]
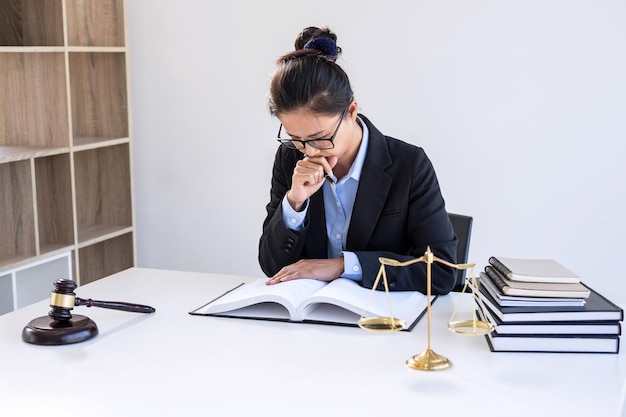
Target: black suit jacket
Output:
[{"x": 398, "y": 212}]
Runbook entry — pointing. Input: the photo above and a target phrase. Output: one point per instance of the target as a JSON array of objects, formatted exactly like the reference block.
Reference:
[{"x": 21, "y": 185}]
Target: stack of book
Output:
[{"x": 538, "y": 305}]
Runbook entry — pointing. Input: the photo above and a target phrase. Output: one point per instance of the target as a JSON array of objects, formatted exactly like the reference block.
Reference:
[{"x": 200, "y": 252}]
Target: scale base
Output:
[
  {"x": 47, "y": 331},
  {"x": 428, "y": 361}
]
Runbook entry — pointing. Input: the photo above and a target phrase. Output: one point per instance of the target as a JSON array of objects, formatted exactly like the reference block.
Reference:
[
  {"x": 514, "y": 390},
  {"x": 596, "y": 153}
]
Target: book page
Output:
[
  {"x": 348, "y": 294},
  {"x": 290, "y": 294}
]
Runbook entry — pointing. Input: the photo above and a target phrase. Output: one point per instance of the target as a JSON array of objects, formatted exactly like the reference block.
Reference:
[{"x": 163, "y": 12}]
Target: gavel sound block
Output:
[{"x": 59, "y": 327}]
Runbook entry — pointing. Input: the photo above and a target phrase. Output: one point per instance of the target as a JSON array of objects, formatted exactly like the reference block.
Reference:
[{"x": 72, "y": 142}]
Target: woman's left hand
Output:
[{"x": 320, "y": 269}]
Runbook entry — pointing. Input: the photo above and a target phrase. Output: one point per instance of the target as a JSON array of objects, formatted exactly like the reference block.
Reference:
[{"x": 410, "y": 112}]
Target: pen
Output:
[{"x": 330, "y": 179}]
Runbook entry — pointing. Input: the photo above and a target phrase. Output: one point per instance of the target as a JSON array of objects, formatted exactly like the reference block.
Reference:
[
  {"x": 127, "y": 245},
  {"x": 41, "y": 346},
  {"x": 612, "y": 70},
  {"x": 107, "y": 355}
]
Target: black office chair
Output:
[{"x": 462, "y": 226}]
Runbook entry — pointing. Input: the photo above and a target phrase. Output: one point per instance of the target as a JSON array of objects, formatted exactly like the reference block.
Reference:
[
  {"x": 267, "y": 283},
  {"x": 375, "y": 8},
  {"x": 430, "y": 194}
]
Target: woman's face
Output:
[{"x": 304, "y": 125}]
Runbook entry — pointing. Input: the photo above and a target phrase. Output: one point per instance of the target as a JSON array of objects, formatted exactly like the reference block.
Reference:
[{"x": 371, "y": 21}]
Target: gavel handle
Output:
[{"x": 115, "y": 305}]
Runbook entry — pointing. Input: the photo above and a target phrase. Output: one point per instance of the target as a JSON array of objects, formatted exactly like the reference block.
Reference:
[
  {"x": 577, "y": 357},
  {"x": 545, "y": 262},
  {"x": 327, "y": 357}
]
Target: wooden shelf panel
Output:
[
  {"x": 105, "y": 258},
  {"x": 17, "y": 221},
  {"x": 31, "y": 49},
  {"x": 54, "y": 248},
  {"x": 103, "y": 186},
  {"x": 33, "y": 109},
  {"x": 31, "y": 23},
  {"x": 99, "y": 94},
  {"x": 82, "y": 143},
  {"x": 54, "y": 200},
  {"x": 100, "y": 49},
  {"x": 89, "y": 234},
  {"x": 8, "y": 261},
  {"x": 20, "y": 153},
  {"x": 95, "y": 22}
]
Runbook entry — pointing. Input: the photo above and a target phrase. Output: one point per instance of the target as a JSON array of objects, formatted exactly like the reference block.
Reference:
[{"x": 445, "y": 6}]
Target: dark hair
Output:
[{"x": 309, "y": 78}]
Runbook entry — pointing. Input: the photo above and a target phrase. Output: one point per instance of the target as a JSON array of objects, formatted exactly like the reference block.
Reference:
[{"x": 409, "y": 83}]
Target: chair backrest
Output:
[{"x": 462, "y": 226}]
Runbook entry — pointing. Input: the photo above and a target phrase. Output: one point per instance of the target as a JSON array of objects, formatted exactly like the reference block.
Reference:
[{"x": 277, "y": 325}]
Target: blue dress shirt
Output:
[{"x": 338, "y": 203}]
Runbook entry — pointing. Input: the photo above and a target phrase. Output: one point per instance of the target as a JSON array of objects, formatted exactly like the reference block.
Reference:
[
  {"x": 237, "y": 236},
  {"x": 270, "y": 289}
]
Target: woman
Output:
[{"x": 342, "y": 193}]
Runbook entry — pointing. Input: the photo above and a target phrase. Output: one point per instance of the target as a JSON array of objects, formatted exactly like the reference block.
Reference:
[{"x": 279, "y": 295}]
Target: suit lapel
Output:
[{"x": 374, "y": 186}]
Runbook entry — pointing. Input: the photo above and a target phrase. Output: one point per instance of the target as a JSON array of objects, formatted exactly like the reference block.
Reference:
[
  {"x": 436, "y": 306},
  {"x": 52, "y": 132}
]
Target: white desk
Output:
[{"x": 172, "y": 364}]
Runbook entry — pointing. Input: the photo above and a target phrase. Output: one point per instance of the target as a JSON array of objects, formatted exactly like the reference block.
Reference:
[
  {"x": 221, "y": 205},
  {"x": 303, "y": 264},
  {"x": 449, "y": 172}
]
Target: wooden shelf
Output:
[
  {"x": 31, "y": 23},
  {"x": 102, "y": 180},
  {"x": 17, "y": 221},
  {"x": 89, "y": 234},
  {"x": 105, "y": 258},
  {"x": 33, "y": 110},
  {"x": 54, "y": 200},
  {"x": 82, "y": 143},
  {"x": 95, "y": 22},
  {"x": 99, "y": 101},
  {"x": 20, "y": 153},
  {"x": 7, "y": 261},
  {"x": 65, "y": 145}
]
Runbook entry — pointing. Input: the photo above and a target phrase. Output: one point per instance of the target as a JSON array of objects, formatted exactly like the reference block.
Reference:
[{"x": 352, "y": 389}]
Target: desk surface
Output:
[{"x": 172, "y": 364}]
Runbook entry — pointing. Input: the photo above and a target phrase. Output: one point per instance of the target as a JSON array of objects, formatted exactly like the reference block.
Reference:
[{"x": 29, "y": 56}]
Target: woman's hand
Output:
[
  {"x": 308, "y": 177},
  {"x": 320, "y": 269}
]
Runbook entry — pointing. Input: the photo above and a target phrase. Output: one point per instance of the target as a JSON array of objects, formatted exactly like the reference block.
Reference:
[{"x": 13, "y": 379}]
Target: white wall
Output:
[{"x": 520, "y": 104}]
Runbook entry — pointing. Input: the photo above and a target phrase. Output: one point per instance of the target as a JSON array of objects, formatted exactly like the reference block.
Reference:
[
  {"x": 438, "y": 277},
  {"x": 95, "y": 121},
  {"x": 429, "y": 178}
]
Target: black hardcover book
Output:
[
  {"x": 557, "y": 343},
  {"x": 597, "y": 308},
  {"x": 552, "y": 327}
]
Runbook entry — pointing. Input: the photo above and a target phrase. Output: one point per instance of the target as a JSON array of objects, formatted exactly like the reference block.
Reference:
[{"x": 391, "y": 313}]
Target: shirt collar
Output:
[{"x": 357, "y": 165}]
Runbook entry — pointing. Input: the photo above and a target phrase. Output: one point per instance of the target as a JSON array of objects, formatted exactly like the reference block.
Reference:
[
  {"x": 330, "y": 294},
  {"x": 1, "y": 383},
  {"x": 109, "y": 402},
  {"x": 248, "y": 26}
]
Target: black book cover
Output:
[{"x": 597, "y": 307}]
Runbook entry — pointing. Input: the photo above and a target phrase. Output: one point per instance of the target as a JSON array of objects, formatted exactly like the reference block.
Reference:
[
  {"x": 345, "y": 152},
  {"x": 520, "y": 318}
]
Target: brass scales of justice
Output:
[{"x": 427, "y": 360}]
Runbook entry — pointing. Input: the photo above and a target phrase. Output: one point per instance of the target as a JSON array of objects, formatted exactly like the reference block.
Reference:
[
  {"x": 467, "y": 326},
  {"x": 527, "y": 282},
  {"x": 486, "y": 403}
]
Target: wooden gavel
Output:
[
  {"x": 59, "y": 327},
  {"x": 63, "y": 300}
]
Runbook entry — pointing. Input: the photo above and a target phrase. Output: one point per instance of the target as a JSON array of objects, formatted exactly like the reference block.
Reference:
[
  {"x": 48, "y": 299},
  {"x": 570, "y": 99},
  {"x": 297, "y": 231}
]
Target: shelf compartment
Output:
[
  {"x": 103, "y": 191},
  {"x": 36, "y": 282},
  {"x": 31, "y": 23},
  {"x": 54, "y": 202},
  {"x": 19, "y": 153},
  {"x": 95, "y": 22},
  {"x": 105, "y": 258},
  {"x": 83, "y": 143},
  {"x": 33, "y": 110},
  {"x": 17, "y": 219},
  {"x": 94, "y": 233},
  {"x": 99, "y": 95}
]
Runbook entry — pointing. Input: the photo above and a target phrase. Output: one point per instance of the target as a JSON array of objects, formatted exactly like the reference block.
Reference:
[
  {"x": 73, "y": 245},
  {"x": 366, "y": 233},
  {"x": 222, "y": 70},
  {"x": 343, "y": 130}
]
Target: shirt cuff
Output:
[
  {"x": 351, "y": 266},
  {"x": 293, "y": 219}
]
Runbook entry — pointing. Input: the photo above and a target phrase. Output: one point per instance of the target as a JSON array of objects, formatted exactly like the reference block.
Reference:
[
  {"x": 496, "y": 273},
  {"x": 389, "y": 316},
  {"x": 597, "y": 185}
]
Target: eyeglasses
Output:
[{"x": 321, "y": 143}]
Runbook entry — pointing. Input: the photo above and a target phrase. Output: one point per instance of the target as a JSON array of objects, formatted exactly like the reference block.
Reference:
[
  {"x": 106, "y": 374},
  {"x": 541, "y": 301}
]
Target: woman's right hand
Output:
[{"x": 308, "y": 177}]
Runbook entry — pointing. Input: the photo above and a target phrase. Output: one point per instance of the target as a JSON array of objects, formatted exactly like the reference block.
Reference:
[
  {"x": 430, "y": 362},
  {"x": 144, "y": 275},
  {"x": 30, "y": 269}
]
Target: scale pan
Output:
[
  {"x": 470, "y": 327},
  {"x": 381, "y": 324}
]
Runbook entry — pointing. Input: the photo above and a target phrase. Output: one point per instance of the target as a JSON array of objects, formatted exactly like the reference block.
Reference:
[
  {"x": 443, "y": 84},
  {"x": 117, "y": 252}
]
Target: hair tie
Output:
[{"x": 323, "y": 44}]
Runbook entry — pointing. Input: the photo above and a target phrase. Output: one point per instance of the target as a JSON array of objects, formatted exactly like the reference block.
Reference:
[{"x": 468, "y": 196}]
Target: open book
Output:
[{"x": 340, "y": 302}]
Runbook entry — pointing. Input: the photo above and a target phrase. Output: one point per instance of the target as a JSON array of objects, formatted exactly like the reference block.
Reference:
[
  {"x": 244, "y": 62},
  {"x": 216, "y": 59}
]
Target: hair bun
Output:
[{"x": 324, "y": 45}]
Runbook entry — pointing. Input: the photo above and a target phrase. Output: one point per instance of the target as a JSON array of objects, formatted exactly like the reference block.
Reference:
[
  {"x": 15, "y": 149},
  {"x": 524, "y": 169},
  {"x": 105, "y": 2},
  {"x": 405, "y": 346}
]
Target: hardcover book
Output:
[
  {"x": 553, "y": 343},
  {"x": 596, "y": 307},
  {"x": 535, "y": 289},
  {"x": 340, "y": 302},
  {"x": 551, "y": 327},
  {"x": 516, "y": 300},
  {"x": 548, "y": 342},
  {"x": 533, "y": 270}
]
